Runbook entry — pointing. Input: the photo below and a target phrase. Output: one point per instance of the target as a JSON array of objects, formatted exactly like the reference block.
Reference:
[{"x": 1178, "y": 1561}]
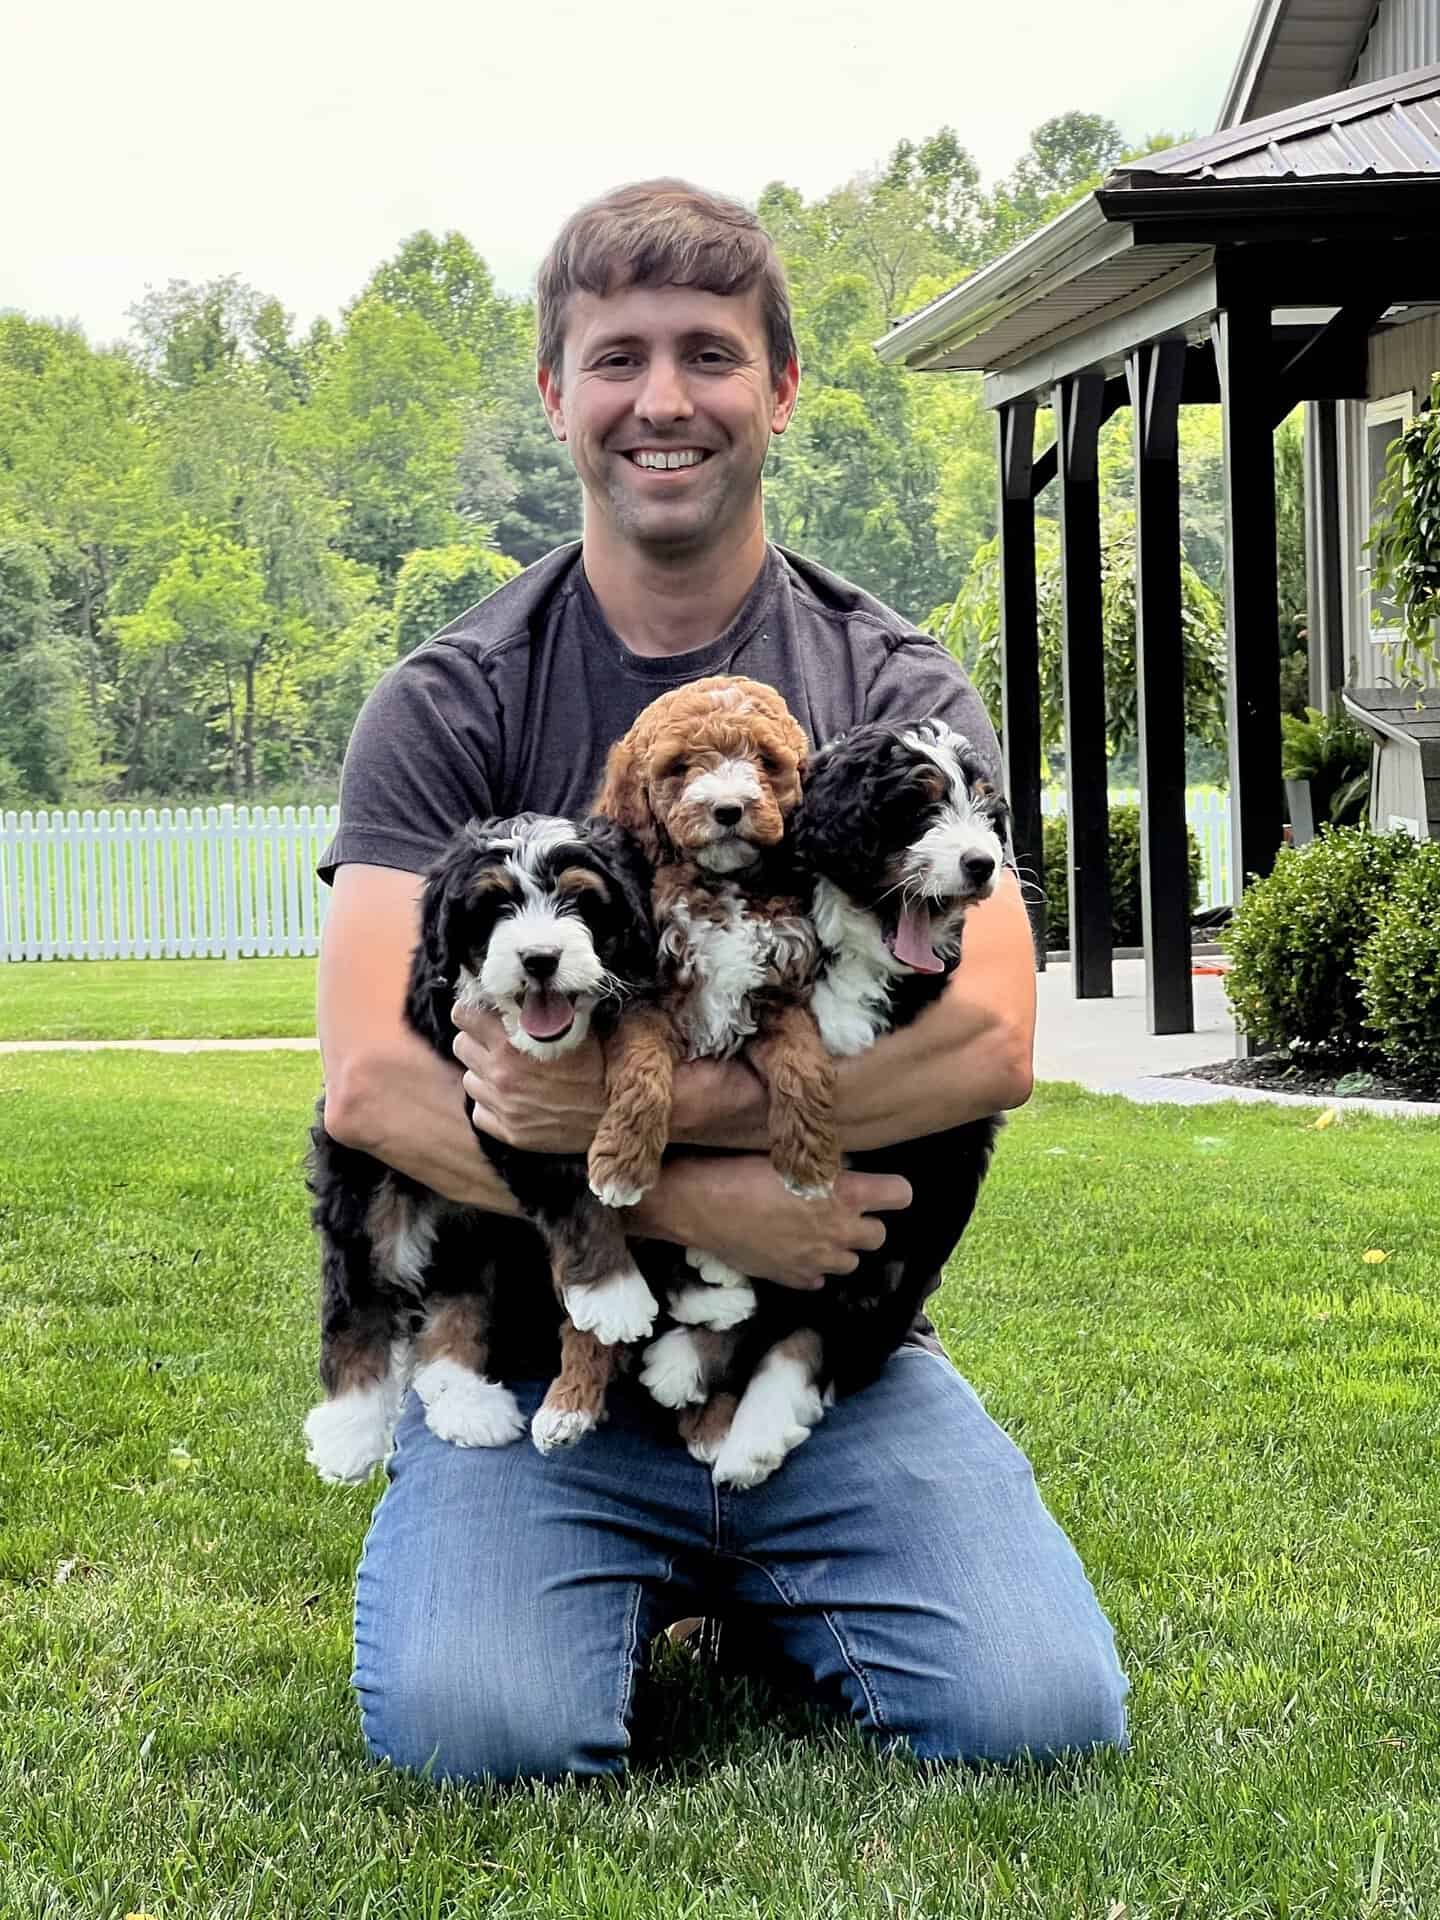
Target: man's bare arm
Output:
[
  {"x": 969, "y": 1055},
  {"x": 386, "y": 1092}
]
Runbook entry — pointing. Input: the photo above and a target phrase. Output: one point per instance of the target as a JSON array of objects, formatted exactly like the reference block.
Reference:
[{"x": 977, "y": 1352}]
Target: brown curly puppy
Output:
[{"x": 706, "y": 780}]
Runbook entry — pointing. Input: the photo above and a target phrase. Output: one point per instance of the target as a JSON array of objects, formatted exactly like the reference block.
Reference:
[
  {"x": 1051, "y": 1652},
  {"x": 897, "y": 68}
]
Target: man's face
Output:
[{"x": 667, "y": 403}]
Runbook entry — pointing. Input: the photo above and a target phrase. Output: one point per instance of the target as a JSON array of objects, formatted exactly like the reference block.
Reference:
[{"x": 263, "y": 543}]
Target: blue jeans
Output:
[{"x": 902, "y": 1558}]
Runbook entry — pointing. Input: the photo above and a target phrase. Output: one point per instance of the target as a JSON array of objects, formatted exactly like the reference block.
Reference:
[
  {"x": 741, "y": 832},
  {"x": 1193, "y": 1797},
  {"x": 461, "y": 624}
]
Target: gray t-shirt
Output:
[{"x": 516, "y": 704}]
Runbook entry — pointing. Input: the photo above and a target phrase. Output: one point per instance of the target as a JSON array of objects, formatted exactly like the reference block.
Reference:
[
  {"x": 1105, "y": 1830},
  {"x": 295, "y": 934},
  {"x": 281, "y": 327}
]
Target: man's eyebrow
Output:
[{"x": 695, "y": 336}]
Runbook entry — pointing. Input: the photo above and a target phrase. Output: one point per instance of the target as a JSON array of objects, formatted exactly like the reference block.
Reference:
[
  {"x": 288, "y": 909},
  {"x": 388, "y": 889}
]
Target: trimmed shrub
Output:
[
  {"x": 1399, "y": 968},
  {"x": 1124, "y": 878},
  {"x": 1296, "y": 937}
]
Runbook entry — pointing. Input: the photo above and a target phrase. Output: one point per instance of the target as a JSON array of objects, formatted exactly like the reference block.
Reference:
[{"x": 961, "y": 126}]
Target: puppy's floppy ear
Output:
[
  {"x": 831, "y": 804},
  {"x": 435, "y": 967},
  {"x": 996, "y": 808},
  {"x": 630, "y": 874},
  {"x": 623, "y": 797}
]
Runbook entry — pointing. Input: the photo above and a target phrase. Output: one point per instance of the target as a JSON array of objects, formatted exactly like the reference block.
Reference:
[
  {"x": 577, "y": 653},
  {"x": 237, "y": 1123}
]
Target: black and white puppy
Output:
[
  {"x": 546, "y": 922},
  {"x": 901, "y": 833}
]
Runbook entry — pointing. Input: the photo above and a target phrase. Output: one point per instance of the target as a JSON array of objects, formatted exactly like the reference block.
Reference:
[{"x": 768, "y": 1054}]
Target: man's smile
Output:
[{"x": 666, "y": 459}]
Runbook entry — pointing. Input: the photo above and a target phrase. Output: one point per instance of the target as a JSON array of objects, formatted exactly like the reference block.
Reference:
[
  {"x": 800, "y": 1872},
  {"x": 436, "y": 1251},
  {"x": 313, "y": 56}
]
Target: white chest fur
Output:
[
  {"x": 719, "y": 961},
  {"x": 851, "y": 1002}
]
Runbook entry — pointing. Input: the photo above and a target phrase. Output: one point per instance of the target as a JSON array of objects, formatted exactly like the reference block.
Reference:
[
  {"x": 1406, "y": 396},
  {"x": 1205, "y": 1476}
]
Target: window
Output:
[{"x": 1384, "y": 420}]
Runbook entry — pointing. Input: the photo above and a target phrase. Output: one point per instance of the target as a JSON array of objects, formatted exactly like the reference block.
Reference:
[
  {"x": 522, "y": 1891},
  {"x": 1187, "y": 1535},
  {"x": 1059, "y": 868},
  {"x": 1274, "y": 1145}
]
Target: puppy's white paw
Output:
[
  {"x": 672, "y": 1373},
  {"x": 775, "y": 1415},
  {"x": 617, "y": 1309},
  {"x": 713, "y": 1271},
  {"x": 465, "y": 1409},
  {"x": 810, "y": 1193},
  {"x": 556, "y": 1427},
  {"x": 347, "y": 1438},
  {"x": 705, "y": 1451},
  {"x": 612, "y": 1194},
  {"x": 718, "y": 1307}
]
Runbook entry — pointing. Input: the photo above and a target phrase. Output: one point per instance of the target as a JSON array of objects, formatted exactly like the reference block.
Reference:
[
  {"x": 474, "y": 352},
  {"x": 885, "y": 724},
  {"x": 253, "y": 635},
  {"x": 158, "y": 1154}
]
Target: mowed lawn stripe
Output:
[
  {"x": 1230, "y": 1409},
  {"x": 157, "y": 999}
]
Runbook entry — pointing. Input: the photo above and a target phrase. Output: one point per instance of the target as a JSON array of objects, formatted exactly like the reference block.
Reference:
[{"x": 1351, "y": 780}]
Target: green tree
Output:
[
  {"x": 383, "y": 430},
  {"x": 437, "y": 584},
  {"x": 970, "y": 627}
]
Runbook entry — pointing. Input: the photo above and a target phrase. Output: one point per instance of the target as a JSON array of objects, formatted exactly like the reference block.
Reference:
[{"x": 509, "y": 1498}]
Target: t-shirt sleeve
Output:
[
  {"x": 919, "y": 680},
  {"x": 423, "y": 758}
]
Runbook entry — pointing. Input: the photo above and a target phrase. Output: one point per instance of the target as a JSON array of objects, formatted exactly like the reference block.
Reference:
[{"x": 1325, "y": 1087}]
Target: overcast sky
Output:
[{"x": 297, "y": 142}]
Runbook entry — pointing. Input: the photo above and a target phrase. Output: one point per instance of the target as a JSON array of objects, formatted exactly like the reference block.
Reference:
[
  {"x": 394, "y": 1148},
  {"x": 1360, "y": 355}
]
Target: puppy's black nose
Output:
[
  {"x": 979, "y": 867},
  {"x": 727, "y": 815},
  {"x": 540, "y": 966}
]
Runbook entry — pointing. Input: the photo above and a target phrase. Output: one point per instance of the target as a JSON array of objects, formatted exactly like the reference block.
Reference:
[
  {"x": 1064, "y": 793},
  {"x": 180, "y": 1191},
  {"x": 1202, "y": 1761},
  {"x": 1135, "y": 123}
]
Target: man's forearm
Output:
[
  {"x": 406, "y": 1107},
  {"x": 968, "y": 1055}
]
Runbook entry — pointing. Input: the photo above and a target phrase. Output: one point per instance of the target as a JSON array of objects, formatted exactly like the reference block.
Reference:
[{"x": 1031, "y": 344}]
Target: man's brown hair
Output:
[{"x": 662, "y": 233}]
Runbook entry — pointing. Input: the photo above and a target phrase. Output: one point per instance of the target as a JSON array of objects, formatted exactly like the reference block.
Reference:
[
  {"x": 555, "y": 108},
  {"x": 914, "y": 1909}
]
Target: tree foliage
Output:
[{"x": 214, "y": 539}]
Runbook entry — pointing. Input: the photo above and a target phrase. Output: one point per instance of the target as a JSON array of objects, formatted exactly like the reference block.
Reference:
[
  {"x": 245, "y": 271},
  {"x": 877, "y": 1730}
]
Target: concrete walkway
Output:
[
  {"x": 158, "y": 1046},
  {"x": 1099, "y": 1044},
  {"x": 1103, "y": 1045}
]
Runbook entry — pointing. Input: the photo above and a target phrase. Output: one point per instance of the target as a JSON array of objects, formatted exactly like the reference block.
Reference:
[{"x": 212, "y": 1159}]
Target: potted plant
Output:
[{"x": 1325, "y": 763}]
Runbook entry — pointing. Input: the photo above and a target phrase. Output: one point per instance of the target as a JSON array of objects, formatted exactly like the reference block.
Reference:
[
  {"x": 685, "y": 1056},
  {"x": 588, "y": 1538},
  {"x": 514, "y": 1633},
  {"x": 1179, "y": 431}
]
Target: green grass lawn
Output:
[
  {"x": 1233, "y": 1413},
  {"x": 156, "y": 999}
]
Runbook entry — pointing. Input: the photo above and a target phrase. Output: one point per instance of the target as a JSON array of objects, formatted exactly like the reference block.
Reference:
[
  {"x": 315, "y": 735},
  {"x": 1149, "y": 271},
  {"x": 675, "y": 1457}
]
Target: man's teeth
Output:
[{"x": 691, "y": 457}]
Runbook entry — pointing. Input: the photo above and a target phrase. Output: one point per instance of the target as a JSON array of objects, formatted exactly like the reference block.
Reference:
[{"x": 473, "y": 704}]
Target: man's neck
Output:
[{"x": 660, "y": 608}]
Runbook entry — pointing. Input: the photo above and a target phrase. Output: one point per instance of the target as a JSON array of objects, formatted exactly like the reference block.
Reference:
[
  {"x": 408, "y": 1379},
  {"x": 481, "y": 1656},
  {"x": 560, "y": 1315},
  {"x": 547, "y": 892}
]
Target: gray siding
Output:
[
  {"x": 1402, "y": 359},
  {"x": 1405, "y": 34}
]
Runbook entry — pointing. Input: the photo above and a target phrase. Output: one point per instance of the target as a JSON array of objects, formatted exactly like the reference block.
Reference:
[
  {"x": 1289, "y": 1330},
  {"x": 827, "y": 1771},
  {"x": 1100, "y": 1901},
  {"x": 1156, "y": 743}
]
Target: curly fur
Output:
[
  {"x": 707, "y": 780},
  {"x": 895, "y": 822},
  {"x": 542, "y": 920}
]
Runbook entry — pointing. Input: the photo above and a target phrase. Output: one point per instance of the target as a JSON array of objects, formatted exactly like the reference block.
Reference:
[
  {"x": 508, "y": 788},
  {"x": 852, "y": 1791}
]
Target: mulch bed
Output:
[{"x": 1322, "y": 1079}]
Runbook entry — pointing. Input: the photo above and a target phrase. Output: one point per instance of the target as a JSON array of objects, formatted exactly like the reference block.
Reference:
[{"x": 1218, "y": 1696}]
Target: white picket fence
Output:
[
  {"x": 222, "y": 882},
  {"x": 201, "y": 882},
  {"x": 1208, "y": 811}
]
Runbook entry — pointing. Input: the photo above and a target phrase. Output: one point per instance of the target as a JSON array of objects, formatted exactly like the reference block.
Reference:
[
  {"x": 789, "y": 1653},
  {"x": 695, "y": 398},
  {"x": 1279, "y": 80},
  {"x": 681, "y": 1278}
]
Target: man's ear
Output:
[
  {"x": 787, "y": 389},
  {"x": 547, "y": 379}
]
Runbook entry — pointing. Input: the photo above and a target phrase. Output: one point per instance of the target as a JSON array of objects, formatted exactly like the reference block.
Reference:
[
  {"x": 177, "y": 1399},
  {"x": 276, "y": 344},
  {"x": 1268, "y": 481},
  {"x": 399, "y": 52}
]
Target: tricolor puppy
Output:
[
  {"x": 902, "y": 834},
  {"x": 707, "y": 780},
  {"x": 547, "y": 923}
]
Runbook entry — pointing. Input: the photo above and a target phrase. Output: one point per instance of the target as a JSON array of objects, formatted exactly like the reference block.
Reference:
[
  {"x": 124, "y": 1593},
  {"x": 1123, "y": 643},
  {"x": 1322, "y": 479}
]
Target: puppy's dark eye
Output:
[
  {"x": 771, "y": 763},
  {"x": 674, "y": 769}
]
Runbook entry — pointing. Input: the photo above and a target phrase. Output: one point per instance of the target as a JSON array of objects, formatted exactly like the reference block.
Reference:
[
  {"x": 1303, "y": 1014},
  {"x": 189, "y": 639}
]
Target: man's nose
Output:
[{"x": 663, "y": 394}]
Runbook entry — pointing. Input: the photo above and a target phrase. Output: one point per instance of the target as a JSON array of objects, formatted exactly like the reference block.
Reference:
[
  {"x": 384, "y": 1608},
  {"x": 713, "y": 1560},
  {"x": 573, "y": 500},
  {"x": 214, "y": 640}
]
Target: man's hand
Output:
[
  {"x": 546, "y": 1106},
  {"x": 737, "y": 1208}
]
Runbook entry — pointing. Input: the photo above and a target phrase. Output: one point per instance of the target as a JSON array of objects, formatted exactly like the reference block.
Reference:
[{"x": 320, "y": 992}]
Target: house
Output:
[{"x": 1291, "y": 256}]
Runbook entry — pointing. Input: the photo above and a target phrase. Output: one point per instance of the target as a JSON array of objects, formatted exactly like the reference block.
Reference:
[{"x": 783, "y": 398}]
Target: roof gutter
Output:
[
  {"x": 1208, "y": 206},
  {"x": 1060, "y": 248}
]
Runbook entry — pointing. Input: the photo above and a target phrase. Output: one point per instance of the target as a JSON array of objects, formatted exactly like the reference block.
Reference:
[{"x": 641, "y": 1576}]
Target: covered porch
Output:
[{"x": 1249, "y": 271}]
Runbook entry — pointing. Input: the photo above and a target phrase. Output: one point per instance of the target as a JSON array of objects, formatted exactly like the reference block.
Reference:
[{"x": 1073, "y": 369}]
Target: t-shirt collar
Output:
[{"x": 697, "y": 662}]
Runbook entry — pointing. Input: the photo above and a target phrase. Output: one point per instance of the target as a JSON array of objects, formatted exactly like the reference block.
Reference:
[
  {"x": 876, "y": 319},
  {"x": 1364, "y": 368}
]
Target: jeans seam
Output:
[
  {"x": 630, "y": 1654},
  {"x": 861, "y": 1675}
]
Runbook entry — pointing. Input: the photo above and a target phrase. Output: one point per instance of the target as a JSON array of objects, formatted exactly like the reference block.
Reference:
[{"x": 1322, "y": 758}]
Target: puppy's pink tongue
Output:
[
  {"x": 545, "y": 1014},
  {"x": 913, "y": 942}
]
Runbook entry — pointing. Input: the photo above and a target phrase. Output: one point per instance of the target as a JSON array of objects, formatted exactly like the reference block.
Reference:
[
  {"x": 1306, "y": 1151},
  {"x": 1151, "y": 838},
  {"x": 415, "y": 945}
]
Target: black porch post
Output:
[
  {"x": 1243, "y": 351},
  {"x": 1156, "y": 373},
  {"x": 1325, "y": 593},
  {"x": 1078, "y": 404},
  {"x": 1020, "y": 653}
]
